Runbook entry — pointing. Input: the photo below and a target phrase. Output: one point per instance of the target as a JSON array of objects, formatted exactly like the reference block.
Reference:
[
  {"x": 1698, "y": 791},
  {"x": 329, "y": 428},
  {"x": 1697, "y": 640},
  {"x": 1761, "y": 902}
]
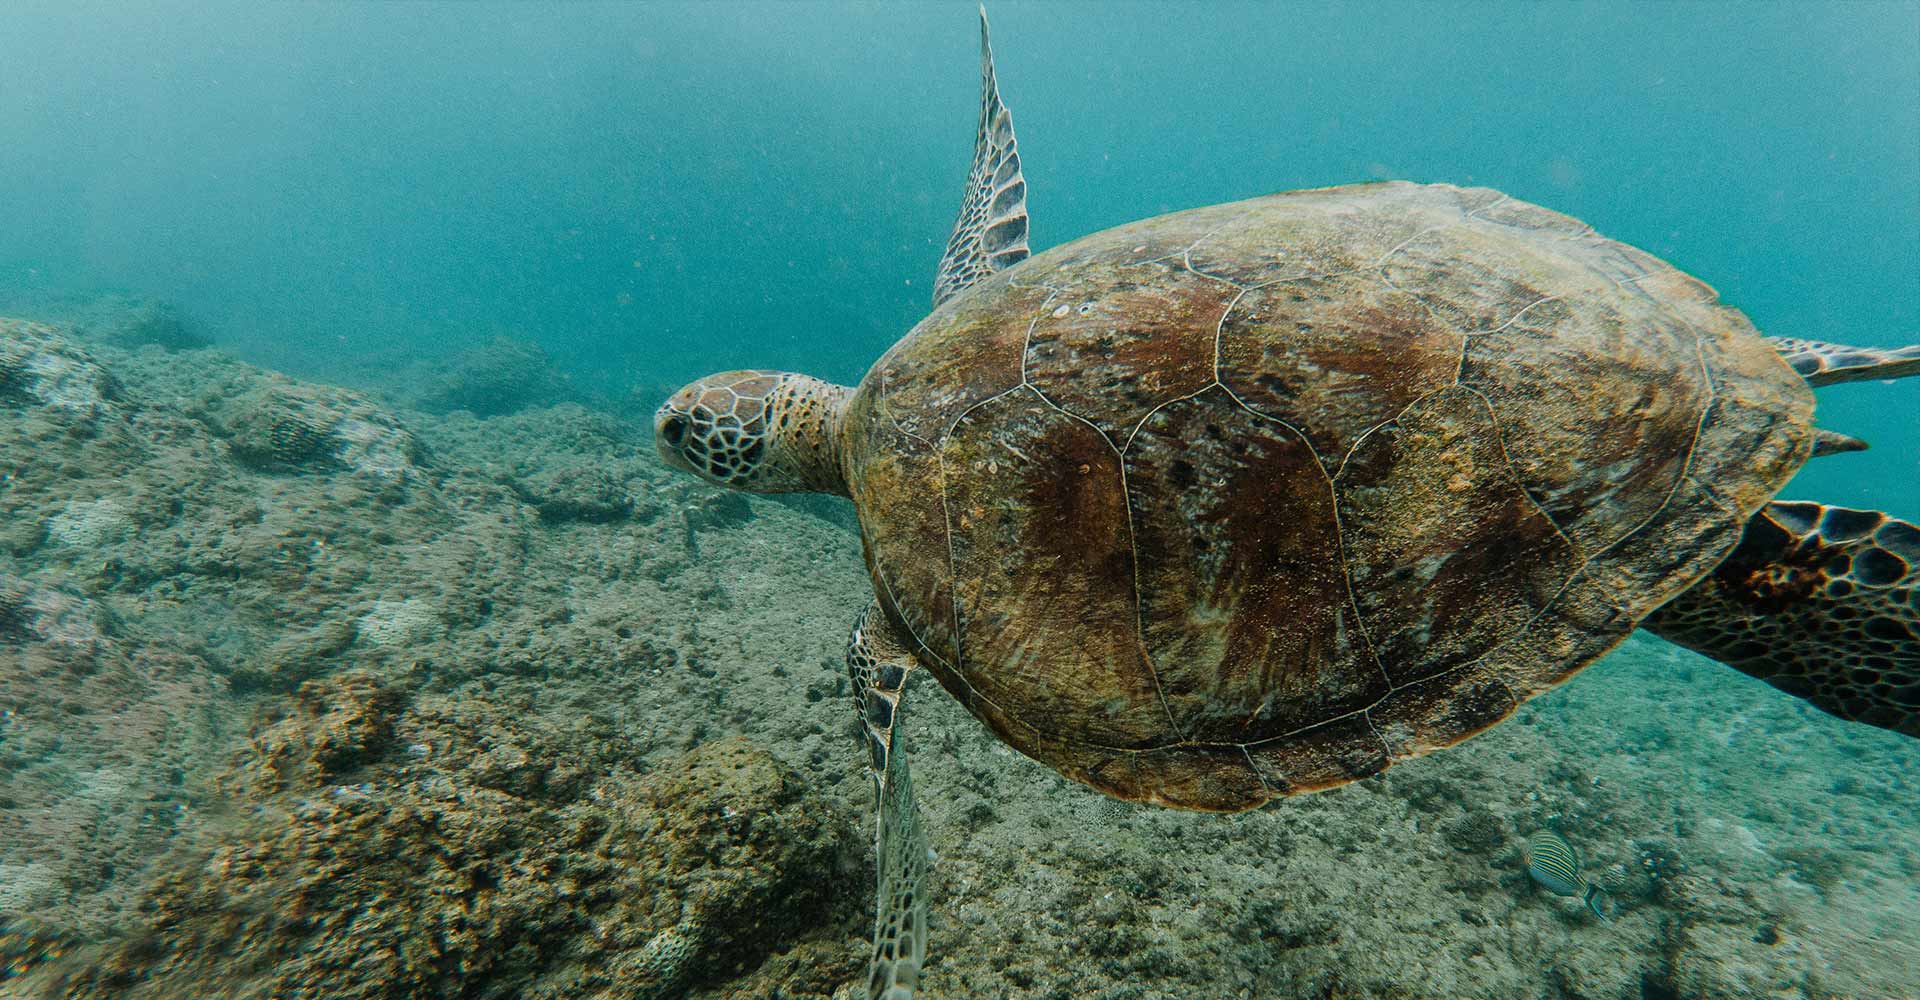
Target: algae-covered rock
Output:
[
  {"x": 101, "y": 728},
  {"x": 502, "y": 376},
  {"x": 576, "y": 491},
  {"x": 38, "y": 368},
  {"x": 116, "y": 318},
  {"x": 394, "y": 847},
  {"x": 144, "y": 322},
  {"x": 287, "y": 427}
]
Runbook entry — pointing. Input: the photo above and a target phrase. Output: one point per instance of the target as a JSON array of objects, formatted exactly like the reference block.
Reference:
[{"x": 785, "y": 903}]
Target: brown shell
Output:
[{"x": 1260, "y": 498}]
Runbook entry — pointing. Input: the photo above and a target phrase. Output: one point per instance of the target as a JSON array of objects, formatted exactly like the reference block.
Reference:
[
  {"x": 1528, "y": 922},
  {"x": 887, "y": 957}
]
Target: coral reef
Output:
[
  {"x": 399, "y": 849},
  {"x": 544, "y": 624},
  {"x": 159, "y": 324},
  {"x": 283, "y": 426},
  {"x": 38, "y": 368},
  {"x": 576, "y": 491},
  {"x": 502, "y": 376},
  {"x": 118, "y": 319},
  {"x": 102, "y": 725}
]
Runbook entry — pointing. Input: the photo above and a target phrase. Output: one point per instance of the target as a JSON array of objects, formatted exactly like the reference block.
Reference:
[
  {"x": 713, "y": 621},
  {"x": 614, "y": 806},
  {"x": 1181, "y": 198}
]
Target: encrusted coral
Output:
[
  {"x": 662, "y": 968},
  {"x": 40, "y": 368},
  {"x": 1614, "y": 878},
  {"x": 14, "y": 616},
  {"x": 145, "y": 321},
  {"x": 296, "y": 442},
  {"x": 87, "y": 524},
  {"x": 28, "y": 613},
  {"x": 502, "y": 376},
  {"x": 284, "y": 427},
  {"x": 579, "y": 492},
  {"x": 400, "y": 849},
  {"x": 1477, "y": 831},
  {"x": 13, "y": 372},
  {"x": 397, "y": 623}
]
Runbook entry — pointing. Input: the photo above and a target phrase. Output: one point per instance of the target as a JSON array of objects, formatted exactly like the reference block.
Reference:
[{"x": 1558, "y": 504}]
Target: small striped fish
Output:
[{"x": 1556, "y": 866}]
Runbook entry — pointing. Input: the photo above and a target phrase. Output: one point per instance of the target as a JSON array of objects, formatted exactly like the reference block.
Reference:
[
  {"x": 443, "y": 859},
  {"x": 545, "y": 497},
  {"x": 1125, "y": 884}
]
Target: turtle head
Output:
[{"x": 759, "y": 431}]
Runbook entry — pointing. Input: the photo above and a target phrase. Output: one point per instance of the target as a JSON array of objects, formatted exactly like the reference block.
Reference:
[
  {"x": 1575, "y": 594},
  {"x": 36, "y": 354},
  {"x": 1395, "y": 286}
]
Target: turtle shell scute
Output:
[{"x": 1261, "y": 498}]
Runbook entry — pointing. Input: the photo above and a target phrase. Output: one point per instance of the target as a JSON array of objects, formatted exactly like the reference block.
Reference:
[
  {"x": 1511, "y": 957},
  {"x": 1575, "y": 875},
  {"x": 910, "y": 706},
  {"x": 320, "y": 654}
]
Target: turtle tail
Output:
[{"x": 1821, "y": 602}]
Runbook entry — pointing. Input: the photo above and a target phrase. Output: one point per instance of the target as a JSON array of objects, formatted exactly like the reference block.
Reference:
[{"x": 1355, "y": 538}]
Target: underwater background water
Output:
[
  {"x": 441, "y": 691},
  {"x": 654, "y": 191}
]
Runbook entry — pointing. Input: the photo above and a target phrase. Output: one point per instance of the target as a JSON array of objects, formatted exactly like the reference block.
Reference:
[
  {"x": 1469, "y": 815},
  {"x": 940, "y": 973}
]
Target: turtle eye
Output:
[{"x": 674, "y": 430}]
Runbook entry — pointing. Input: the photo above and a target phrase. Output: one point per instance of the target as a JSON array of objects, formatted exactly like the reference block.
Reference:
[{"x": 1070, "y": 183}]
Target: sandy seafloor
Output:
[{"x": 316, "y": 692}]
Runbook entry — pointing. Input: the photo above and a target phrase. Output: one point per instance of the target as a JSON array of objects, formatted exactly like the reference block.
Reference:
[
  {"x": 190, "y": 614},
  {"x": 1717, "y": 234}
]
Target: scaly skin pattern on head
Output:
[{"x": 758, "y": 431}]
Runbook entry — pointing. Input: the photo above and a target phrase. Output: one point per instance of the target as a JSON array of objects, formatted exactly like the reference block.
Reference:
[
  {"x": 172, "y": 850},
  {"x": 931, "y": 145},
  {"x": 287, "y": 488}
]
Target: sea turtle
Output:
[{"x": 1260, "y": 498}]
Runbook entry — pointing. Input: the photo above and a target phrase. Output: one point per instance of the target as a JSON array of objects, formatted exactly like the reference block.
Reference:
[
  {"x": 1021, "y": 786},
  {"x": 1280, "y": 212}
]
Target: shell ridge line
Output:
[
  {"x": 1367, "y": 709},
  {"x": 885, "y": 405},
  {"x": 1339, "y": 533},
  {"x": 894, "y": 596},
  {"x": 1712, "y": 495},
  {"x": 1402, "y": 245},
  {"x": 1500, "y": 442},
  {"x": 1139, "y": 599},
  {"x": 1186, "y": 259},
  {"x": 1265, "y": 789},
  {"x": 1386, "y": 749},
  {"x": 1133, "y": 556},
  {"x": 1291, "y": 733},
  {"x": 1517, "y": 635},
  {"x": 1467, "y": 337},
  {"x": 1219, "y": 332},
  {"x": 1142, "y": 422},
  {"x": 1474, "y": 216},
  {"x": 964, "y": 414},
  {"x": 1684, "y": 476},
  {"x": 1026, "y": 342},
  {"x": 1185, "y": 253},
  {"x": 1361, "y": 619},
  {"x": 1693, "y": 443},
  {"x": 953, "y": 567},
  {"x": 1341, "y": 472},
  {"x": 1706, "y": 407},
  {"x": 1346, "y": 577}
]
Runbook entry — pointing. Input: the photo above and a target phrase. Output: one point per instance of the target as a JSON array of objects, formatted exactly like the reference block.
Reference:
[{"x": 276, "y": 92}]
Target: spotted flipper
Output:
[
  {"x": 1823, "y": 364},
  {"x": 991, "y": 232},
  {"x": 1821, "y": 602},
  {"x": 879, "y": 665}
]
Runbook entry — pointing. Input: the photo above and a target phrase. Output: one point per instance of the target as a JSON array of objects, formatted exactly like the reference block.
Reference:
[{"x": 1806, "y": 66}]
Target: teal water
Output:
[
  {"x": 651, "y": 192},
  {"x": 656, "y": 191}
]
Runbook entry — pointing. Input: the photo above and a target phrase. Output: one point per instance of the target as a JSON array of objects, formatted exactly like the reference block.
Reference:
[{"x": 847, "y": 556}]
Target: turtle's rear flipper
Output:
[
  {"x": 1821, "y": 363},
  {"x": 1818, "y": 601}
]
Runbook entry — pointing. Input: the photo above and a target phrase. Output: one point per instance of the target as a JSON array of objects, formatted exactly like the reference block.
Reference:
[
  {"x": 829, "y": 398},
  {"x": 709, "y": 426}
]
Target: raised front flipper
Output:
[
  {"x": 991, "y": 232},
  {"x": 1821, "y": 363},
  {"x": 1820, "y": 602},
  {"x": 879, "y": 665}
]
